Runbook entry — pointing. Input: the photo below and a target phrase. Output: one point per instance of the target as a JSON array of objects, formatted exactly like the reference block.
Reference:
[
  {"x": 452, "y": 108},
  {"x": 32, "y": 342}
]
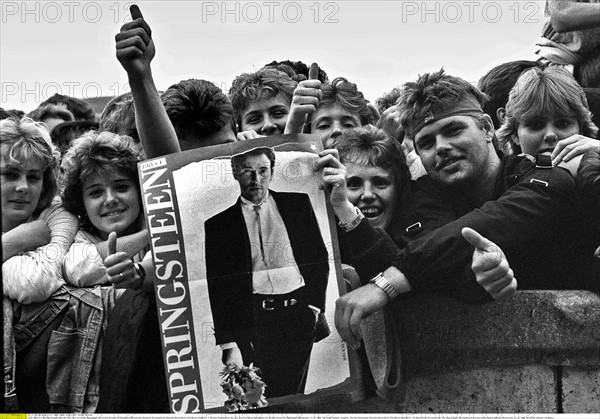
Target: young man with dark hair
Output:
[
  {"x": 200, "y": 112},
  {"x": 531, "y": 212}
]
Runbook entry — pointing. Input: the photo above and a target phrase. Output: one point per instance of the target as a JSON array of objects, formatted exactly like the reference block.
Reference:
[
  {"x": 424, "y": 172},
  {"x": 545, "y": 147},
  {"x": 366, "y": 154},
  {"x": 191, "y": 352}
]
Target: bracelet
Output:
[
  {"x": 354, "y": 223},
  {"x": 385, "y": 285},
  {"x": 141, "y": 272}
]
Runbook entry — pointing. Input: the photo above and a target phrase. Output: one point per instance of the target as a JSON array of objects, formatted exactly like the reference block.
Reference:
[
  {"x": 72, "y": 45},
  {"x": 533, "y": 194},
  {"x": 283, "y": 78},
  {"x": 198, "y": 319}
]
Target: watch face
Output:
[{"x": 376, "y": 277}]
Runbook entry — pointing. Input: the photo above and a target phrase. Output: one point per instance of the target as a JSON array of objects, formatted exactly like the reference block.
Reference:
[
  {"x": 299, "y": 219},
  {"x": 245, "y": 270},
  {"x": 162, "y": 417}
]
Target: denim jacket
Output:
[{"x": 74, "y": 348}]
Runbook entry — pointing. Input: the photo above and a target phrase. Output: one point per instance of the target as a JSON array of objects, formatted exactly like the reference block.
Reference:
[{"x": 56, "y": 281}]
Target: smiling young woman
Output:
[{"x": 100, "y": 186}]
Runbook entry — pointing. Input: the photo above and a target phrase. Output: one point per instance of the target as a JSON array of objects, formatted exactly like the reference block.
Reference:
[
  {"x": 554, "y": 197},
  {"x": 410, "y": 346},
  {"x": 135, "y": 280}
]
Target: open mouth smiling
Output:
[
  {"x": 113, "y": 213},
  {"x": 371, "y": 212}
]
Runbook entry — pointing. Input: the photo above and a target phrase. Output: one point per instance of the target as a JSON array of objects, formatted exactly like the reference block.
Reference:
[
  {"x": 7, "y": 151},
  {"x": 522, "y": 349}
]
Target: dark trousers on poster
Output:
[{"x": 281, "y": 346}]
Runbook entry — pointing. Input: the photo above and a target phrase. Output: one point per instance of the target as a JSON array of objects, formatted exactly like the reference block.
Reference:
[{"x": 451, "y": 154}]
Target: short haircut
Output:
[
  {"x": 29, "y": 141},
  {"x": 369, "y": 145},
  {"x": 266, "y": 82},
  {"x": 388, "y": 99},
  {"x": 51, "y": 110},
  {"x": 95, "y": 154},
  {"x": 497, "y": 83},
  {"x": 118, "y": 117},
  {"x": 551, "y": 92},
  {"x": 64, "y": 133},
  {"x": 433, "y": 90},
  {"x": 80, "y": 109},
  {"x": 297, "y": 70},
  {"x": 344, "y": 93},
  {"x": 238, "y": 160},
  {"x": 197, "y": 108}
]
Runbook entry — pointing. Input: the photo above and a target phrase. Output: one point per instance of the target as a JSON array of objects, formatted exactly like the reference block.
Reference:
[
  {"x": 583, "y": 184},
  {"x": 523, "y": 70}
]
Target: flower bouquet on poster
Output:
[{"x": 243, "y": 387}]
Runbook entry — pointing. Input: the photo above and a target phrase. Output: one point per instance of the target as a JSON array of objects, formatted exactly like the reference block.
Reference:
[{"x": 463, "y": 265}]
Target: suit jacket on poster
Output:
[{"x": 229, "y": 263}]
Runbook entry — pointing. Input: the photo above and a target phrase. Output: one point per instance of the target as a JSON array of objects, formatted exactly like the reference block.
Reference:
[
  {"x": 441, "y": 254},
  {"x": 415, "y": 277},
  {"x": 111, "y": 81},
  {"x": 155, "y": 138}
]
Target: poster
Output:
[{"x": 187, "y": 196}]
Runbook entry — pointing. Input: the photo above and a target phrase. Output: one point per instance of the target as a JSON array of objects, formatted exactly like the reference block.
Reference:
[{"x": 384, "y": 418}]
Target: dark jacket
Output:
[
  {"x": 229, "y": 263},
  {"x": 536, "y": 218}
]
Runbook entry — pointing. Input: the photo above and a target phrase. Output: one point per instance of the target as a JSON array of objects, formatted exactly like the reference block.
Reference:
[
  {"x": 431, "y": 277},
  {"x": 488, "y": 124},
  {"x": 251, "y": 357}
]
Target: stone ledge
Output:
[{"x": 549, "y": 328}]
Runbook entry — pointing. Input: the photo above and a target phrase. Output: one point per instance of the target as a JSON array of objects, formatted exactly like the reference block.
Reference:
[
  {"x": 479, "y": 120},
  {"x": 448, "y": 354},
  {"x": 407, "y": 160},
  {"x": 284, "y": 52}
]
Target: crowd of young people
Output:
[{"x": 443, "y": 187}]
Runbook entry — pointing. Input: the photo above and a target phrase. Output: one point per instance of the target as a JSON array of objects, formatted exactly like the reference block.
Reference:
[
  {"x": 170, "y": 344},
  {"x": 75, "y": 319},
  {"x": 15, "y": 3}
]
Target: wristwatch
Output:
[
  {"x": 385, "y": 285},
  {"x": 352, "y": 224}
]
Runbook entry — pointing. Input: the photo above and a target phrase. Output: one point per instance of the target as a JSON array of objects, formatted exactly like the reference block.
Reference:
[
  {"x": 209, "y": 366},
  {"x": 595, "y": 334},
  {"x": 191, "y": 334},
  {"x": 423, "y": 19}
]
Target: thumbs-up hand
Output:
[
  {"x": 313, "y": 71},
  {"x": 112, "y": 243},
  {"x": 490, "y": 266},
  {"x": 135, "y": 48},
  {"x": 305, "y": 101},
  {"x": 119, "y": 266}
]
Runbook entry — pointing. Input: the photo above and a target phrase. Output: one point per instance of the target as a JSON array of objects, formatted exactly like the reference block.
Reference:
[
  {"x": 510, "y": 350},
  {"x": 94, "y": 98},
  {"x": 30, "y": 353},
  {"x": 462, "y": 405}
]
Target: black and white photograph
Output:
[{"x": 301, "y": 207}]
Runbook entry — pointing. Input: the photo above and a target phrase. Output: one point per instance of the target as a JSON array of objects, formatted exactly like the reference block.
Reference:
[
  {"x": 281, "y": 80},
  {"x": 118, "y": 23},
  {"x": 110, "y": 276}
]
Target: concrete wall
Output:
[{"x": 538, "y": 351}]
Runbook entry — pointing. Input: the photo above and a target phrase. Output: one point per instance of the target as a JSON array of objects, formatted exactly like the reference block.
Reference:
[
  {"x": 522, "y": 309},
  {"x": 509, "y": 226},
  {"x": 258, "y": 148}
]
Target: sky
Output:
[{"x": 68, "y": 47}]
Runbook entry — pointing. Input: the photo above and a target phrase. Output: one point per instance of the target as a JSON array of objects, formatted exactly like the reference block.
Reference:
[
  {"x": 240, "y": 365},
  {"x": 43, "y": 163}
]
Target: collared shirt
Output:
[{"x": 274, "y": 269}]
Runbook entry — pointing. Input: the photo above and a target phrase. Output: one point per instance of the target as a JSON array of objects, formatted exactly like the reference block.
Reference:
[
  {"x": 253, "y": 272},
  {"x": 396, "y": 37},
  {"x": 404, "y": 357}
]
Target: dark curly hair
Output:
[
  {"x": 95, "y": 154},
  {"x": 297, "y": 70}
]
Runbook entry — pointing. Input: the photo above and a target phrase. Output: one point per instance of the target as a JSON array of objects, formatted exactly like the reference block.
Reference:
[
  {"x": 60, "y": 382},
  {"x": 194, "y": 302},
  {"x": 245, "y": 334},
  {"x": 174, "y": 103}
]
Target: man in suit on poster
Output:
[{"x": 267, "y": 269}]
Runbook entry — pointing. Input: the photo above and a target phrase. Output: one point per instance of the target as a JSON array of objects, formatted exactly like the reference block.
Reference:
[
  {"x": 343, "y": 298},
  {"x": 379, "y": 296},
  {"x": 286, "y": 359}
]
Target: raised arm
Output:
[{"x": 135, "y": 51}]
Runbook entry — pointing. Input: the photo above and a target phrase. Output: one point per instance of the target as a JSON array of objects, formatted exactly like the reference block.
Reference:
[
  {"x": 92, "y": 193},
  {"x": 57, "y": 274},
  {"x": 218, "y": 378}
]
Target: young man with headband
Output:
[{"x": 533, "y": 213}]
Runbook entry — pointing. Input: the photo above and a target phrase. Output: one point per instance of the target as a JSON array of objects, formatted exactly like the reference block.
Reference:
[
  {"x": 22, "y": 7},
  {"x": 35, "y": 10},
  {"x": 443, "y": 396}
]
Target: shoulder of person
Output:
[
  {"x": 572, "y": 165},
  {"x": 56, "y": 211}
]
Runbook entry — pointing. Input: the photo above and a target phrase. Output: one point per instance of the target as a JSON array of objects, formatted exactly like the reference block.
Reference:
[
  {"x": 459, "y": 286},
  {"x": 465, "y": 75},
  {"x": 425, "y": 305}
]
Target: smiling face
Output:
[
  {"x": 540, "y": 135},
  {"x": 22, "y": 186},
  {"x": 372, "y": 190},
  {"x": 266, "y": 115},
  {"x": 112, "y": 203},
  {"x": 455, "y": 151},
  {"x": 330, "y": 121},
  {"x": 254, "y": 175}
]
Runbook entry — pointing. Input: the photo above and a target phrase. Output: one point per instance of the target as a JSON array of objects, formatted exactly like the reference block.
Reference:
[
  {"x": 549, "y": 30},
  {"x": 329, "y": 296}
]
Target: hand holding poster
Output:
[{"x": 246, "y": 260}]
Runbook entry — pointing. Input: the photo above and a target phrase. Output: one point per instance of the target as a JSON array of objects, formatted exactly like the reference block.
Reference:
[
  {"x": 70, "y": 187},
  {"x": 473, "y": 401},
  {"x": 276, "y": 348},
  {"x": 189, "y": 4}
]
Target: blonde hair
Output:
[
  {"x": 29, "y": 141},
  {"x": 549, "y": 92}
]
